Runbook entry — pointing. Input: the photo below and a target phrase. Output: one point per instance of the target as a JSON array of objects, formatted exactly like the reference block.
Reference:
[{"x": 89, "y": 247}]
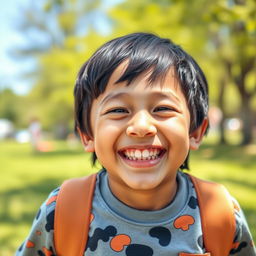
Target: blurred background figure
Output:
[
  {"x": 35, "y": 134},
  {"x": 36, "y": 138},
  {"x": 215, "y": 117}
]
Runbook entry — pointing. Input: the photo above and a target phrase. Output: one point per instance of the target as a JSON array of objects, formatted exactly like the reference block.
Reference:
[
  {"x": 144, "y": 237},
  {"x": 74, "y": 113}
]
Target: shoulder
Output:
[
  {"x": 220, "y": 203},
  {"x": 212, "y": 192},
  {"x": 46, "y": 212},
  {"x": 40, "y": 239},
  {"x": 243, "y": 242},
  {"x": 49, "y": 208}
]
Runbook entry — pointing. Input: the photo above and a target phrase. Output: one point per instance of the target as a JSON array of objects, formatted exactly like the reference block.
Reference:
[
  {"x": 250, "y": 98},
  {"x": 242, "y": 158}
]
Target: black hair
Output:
[{"x": 144, "y": 52}]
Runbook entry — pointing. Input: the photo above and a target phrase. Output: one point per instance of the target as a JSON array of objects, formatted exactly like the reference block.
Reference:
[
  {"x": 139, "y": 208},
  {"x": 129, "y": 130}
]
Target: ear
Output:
[
  {"x": 88, "y": 142},
  {"x": 195, "y": 137}
]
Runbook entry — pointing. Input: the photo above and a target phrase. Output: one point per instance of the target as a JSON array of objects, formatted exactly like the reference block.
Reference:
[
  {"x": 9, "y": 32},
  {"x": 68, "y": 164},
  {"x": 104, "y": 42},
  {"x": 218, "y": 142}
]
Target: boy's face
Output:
[{"x": 141, "y": 132}]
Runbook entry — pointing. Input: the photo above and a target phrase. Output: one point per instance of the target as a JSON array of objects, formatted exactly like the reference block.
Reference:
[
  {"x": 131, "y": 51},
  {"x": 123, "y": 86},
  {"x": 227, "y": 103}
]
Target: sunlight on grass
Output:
[{"x": 27, "y": 178}]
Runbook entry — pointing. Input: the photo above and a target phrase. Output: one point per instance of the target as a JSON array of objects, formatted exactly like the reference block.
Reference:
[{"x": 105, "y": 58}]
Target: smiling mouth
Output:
[{"x": 151, "y": 155}]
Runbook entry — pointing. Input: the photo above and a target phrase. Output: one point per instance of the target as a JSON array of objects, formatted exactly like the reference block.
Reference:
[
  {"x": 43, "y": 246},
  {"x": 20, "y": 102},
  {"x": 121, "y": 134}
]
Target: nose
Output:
[{"x": 141, "y": 125}]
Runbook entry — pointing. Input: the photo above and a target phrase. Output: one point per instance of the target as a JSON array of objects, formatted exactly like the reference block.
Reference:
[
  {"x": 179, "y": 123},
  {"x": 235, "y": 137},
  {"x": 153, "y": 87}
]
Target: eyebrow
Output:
[
  {"x": 166, "y": 95},
  {"x": 160, "y": 95},
  {"x": 113, "y": 96}
]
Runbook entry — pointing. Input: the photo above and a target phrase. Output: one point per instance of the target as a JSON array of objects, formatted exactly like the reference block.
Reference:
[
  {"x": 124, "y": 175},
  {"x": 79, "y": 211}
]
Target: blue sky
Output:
[
  {"x": 11, "y": 68},
  {"x": 10, "y": 37}
]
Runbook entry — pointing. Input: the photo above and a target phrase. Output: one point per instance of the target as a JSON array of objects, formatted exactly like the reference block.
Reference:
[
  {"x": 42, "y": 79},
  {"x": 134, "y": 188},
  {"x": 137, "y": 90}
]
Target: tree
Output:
[
  {"x": 58, "y": 46},
  {"x": 220, "y": 34},
  {"x": 234, "y": 39},
  {"x": 10, "y": 106},
  {"x": 223, "y": 32}
]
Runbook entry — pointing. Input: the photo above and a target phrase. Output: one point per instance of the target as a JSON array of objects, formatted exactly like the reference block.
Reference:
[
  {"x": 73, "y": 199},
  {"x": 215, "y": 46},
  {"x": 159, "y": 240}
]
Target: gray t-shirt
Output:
[{"x": 117, "y": 229}]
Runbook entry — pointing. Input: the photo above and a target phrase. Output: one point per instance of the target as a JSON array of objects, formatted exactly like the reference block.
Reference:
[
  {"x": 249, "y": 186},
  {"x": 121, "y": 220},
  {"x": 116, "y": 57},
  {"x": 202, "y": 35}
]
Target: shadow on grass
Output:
[
  {"x": 58, "y": 153},
  {"x": 18, "y": 208},
  {"x": 20, "y": 205},
  {"x": 54, "y": 153},
  {"x": 228, "y": 153},
  {"x": 244, "y": 183}
]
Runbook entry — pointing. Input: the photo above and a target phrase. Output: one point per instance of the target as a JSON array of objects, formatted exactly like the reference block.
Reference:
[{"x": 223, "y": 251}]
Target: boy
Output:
[{"x": 141, "y": 104}]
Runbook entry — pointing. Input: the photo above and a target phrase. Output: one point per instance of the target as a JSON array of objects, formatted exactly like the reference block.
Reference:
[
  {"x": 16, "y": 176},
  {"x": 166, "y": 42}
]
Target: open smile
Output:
[{"x": 142, "y": 156}]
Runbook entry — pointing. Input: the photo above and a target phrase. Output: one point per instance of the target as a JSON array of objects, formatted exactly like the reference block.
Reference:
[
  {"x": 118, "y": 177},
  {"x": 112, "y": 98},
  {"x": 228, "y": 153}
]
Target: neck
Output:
[{"x": 147, "y": 200}]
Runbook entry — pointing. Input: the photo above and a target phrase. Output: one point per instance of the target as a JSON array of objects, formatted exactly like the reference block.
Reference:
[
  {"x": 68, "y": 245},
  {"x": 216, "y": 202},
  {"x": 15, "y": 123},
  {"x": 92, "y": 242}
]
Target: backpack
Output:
[{"x": 73, "y": 211}]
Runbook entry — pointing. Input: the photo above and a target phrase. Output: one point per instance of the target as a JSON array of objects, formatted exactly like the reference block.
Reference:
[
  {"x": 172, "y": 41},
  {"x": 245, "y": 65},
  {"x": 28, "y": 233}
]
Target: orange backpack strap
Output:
[
  {"x": 72, "y": 215},
  {"x": 217, "y": 216}
]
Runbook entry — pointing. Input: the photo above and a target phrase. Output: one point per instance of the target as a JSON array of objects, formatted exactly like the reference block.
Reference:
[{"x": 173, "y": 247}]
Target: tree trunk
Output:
[
  {"x": 221, "y": 103},
  {"x": 246, "y": 111},
  {"x": 246, "y": 116}
]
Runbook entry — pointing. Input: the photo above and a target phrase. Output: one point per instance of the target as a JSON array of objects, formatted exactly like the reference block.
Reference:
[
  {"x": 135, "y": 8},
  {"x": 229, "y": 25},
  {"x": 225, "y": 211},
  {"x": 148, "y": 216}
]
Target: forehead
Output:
[{"x": 165, "y": 83}]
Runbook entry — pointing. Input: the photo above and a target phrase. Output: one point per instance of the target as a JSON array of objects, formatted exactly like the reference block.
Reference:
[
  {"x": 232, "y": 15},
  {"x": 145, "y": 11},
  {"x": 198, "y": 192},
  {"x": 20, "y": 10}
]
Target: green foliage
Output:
[
  {"x": 7, "y": 110},
  {"x": 52, "y": 96},
  {"x": 26, "y": 182},
  {"x": 12, "y": 107},
  {"x": 58, "y": 60},
  {"x": 221, "y": 35},
  {"x": 174, "y": 20}
]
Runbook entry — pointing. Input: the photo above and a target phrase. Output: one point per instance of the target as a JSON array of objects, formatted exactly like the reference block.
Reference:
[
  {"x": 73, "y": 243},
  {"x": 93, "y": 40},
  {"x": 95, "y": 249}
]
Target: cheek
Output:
[
  {"x": 178, "y": 126},
  {"x": 177, "y": 132},
  {"x": 106, "y": 136}
]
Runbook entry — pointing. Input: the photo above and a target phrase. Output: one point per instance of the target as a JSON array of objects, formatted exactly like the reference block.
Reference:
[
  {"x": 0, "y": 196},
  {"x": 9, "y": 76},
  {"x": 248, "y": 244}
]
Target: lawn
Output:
[{"x": 27, "y": 178}]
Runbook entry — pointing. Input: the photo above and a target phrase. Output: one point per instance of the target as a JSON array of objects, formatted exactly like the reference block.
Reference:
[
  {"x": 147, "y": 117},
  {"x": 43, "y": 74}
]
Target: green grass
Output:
[{"x": 27, "y": 178}]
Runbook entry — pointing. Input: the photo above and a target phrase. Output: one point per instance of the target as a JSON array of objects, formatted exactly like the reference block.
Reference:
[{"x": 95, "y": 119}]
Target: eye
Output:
[
  {"x": 117, "y": 111},
  {"x": 163, "y": 109}
]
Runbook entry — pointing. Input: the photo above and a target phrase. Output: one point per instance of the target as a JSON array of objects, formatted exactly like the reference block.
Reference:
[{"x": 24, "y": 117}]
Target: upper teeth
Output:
[{"x": 141, "y": 154}]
